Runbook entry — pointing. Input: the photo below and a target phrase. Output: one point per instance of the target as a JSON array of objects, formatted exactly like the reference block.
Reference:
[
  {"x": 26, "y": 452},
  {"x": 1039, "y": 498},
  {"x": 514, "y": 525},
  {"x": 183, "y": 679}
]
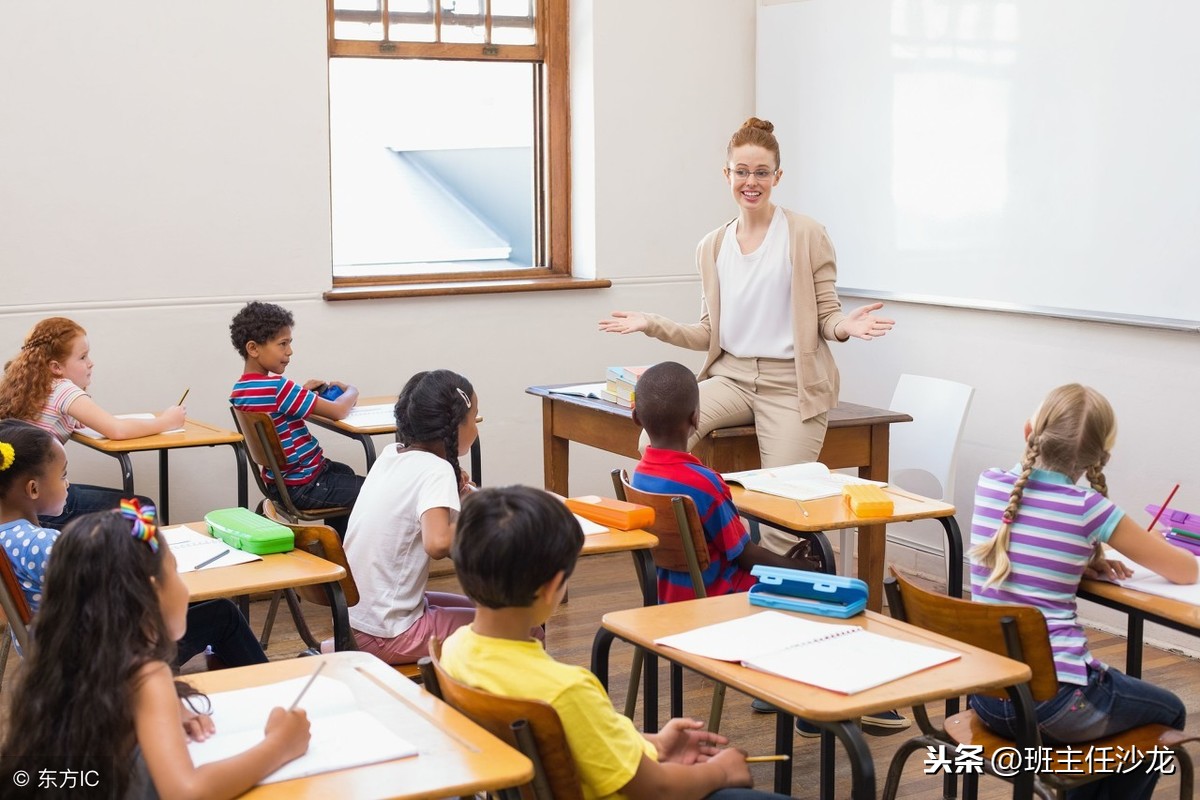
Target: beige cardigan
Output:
[{"x": 814, "y": 299}]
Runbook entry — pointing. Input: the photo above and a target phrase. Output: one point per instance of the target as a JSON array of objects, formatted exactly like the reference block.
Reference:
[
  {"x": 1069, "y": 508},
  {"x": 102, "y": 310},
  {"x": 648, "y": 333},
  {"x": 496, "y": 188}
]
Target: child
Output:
[
  {"x": 46, "y": 383},
  {"x": 515, "y": 549},
  {"x": 96, "y": 691},
  {"x": 1034, "y": 535},
  {"x": 262, "y": 335},
  {"x": 33, "y": 482},
  {"x": 405, "y": 517},
  {"x": 668, "y": 408}
]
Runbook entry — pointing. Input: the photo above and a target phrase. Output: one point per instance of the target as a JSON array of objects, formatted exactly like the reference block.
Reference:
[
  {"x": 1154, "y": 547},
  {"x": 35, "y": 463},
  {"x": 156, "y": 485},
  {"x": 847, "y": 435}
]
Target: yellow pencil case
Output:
[{"x": 867, "y": 500}]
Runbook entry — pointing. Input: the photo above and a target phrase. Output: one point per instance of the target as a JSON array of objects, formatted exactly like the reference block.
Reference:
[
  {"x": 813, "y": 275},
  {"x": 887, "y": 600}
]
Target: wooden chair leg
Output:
[
  {"x": 269, "y": 623},
  {"x": 5, "y": 646},
  {"x": 635, "y": 680}
]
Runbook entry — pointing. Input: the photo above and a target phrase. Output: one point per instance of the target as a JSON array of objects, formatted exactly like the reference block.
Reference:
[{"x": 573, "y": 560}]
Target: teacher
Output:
[{"x": 769, "y": 307}]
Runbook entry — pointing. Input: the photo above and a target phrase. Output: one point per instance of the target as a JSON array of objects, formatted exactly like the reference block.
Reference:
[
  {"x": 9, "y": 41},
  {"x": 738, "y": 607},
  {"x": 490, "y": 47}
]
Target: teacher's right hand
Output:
[{"x": 624, "y": 322}]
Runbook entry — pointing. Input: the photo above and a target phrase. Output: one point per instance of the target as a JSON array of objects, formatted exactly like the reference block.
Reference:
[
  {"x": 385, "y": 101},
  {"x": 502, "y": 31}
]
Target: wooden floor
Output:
[{"x": 606, "y": 583}]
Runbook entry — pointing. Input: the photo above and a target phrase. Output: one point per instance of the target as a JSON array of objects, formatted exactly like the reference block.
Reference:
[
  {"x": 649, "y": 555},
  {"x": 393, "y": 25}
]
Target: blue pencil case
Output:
[{"x": 808, "y": 592}]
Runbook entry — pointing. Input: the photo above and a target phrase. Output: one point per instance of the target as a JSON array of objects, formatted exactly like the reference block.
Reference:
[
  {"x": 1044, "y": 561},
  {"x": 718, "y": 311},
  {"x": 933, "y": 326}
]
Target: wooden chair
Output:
[
  {"x": 531, "y": 726},
  {"x": 681, "y": 548},
  {"x": 323, "y": 542},
  {"x": 16, "y": 614},
  {"x": 1019, "y": 632},
  {"x": 266, "y": 451}
]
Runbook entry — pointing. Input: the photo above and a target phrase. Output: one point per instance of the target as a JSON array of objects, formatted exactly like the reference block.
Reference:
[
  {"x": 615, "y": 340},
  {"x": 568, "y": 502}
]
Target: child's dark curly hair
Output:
[
  {"x": 431, "y": 407},
  {"x": 258, "y": 322}
]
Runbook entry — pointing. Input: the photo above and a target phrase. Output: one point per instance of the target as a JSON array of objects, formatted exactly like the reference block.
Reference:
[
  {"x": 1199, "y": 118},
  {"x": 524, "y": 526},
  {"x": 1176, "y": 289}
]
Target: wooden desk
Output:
[
  {"x": 456, "y": 756},
  {"x": 194, "y": 434},
  {"x": 832, "y": 513},
  {"x": 363, "y": 434},
  {"x": 857, "y": 437},
  {"x": 1140, "y": 607},
  {"x": 276, "y": 571},
  {"x": 836, "y": 714}
]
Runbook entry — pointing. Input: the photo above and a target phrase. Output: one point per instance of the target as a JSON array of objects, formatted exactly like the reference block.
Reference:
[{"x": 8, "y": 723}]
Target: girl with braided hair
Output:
[
  {"x": 46, "y": 383},
  {"x": 405, "y": 516},
  {"x": 1035, "y": 534}
]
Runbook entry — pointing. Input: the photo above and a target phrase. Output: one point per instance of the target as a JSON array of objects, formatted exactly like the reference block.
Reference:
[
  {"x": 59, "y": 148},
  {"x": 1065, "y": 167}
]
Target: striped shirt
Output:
[
  {"x": 54, "y": 417},
  {"x": 1050, "y": 543},
  {"x": 672, "y": 472},
  {"x": 288, "y": 405}
]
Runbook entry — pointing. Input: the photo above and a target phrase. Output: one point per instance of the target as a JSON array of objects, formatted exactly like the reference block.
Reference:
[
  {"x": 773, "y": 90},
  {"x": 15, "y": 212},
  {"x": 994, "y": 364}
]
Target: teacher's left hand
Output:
[{"x": 863, "y": 324}]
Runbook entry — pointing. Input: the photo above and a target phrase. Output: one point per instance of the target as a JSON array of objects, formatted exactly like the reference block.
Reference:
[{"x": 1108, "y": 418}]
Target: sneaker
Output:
[
  {"x": 762, "y": 707},
  {"x": 891, "y": 720},
  {"x": 807, "y": 729}
]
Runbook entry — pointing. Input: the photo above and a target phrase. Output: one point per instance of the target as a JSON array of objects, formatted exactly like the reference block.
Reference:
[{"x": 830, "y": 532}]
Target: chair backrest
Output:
[
  {"x": 266, "y": 451},
  {"x": 681, "y": 543},
  {"x": 927, "y": 447},
  {"x": 531, "y": 726},
  {"x": 12, "y": 600},
  {"x": 323, "y": 542},
  {"x": 1016, "y": 631}
]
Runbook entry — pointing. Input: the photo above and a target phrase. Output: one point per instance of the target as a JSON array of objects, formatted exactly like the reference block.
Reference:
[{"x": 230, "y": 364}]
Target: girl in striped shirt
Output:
[{"x": 1034, "y": 535}]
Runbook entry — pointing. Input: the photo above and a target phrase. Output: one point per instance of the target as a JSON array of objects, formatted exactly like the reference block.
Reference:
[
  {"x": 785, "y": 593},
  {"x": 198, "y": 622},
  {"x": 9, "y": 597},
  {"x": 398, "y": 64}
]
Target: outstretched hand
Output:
[
  {"x": 685, "y": 741},
  {"x": 862, "y": 323},
  {"x": 624, "y": 322}
]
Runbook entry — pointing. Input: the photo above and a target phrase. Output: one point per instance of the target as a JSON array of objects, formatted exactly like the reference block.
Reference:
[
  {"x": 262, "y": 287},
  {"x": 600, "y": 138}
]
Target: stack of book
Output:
[{"x": 619, "y": 385}]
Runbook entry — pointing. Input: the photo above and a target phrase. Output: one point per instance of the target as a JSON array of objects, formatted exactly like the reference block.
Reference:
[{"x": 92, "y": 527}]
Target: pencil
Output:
[
  {"x": 1163, "y": 508},
  {"x": 803, "y": 510},
  {"x": 208, "y": 561},
  {"x": 316, "y": 672},
  {"x": 184, "y": 397},
  {"x": 761, "y": 759}
]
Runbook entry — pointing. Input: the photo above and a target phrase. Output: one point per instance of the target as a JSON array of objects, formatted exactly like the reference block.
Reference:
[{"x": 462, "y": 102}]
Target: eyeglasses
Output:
[{"x": 759, "y": 174}]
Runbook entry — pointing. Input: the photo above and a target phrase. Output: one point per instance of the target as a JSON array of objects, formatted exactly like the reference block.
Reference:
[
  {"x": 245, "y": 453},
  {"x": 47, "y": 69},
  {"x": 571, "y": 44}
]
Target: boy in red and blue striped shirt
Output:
[{"x": 262, "y": 335}]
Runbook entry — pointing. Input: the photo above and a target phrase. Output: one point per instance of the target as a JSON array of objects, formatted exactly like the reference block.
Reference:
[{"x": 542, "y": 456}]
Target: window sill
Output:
[{"x": 450, "y": 287}]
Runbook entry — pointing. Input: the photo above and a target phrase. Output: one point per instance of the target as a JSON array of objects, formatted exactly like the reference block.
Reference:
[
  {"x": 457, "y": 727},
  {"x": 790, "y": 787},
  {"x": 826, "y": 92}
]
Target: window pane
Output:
[
  {"x": 360, "y": 20},
  {"x": 411, "y": 21},
  {"x": 463, "y": 20},
  {"x": 513, "y": 22},
  {"x": 432, "y": 166}
]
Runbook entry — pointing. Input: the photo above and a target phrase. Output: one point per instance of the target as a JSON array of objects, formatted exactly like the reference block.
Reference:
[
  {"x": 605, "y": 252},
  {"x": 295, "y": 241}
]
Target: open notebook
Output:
[
  {"x": 343, "y": 736},
  {"x": 840, "y": 658},
  {"x": 809, "y": 481},
  {"x": 1148, "y": 581},
  {"x": 379, "y": 415},
  {"x": 92, "y": 433},
  {"x": 193, "y": 549}
]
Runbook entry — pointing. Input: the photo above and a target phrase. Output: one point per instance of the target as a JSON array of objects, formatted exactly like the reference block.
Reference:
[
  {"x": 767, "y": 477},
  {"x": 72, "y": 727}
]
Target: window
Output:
[{"x": 449, "y": 122}]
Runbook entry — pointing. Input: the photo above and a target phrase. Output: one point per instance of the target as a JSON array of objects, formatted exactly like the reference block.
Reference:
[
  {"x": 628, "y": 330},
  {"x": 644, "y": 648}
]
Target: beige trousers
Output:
[{"x": 762, "y": 392}]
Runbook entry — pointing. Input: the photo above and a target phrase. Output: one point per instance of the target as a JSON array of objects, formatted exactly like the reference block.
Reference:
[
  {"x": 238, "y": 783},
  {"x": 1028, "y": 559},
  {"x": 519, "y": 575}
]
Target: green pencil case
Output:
[{"x": 241, "y": 528}]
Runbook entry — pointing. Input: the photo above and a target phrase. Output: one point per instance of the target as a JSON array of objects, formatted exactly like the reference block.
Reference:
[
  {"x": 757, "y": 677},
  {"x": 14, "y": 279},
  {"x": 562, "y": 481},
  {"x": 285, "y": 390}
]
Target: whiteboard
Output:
[{"x": 1019, "y": 153}]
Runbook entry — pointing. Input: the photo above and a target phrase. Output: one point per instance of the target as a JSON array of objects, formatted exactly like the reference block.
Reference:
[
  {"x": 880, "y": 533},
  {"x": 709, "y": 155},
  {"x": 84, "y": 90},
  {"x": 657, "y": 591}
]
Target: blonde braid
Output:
[{"x": 994, "y": 552}]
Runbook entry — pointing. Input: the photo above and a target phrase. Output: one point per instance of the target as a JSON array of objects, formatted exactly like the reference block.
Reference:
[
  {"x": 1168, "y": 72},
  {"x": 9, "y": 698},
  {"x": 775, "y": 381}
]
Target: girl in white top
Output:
[
  {"x": 769, "y": 307},
  {"x": 46, "y": 383},
  {"x": 405, "y": 516}
]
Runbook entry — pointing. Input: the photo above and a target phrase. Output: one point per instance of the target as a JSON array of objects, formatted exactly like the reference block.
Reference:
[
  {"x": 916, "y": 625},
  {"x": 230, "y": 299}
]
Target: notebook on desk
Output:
[
  {"x": 1148, "y": 581},
  {"x": 841, "y": 658},
  {"x": 92, "y": 433},
  {"x": 809, "y": 481},
  {"x": 343, "y": 735},
  {"x": 379, "y": 415}
]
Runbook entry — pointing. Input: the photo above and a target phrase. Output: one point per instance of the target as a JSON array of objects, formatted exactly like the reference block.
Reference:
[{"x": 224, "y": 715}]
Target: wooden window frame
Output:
[{"x": 552, "y": 180}]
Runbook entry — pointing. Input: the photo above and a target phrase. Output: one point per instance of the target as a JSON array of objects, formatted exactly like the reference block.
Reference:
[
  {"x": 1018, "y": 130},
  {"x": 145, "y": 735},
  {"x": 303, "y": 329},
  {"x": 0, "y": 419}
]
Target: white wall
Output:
[{"x": 150, "y": 189}]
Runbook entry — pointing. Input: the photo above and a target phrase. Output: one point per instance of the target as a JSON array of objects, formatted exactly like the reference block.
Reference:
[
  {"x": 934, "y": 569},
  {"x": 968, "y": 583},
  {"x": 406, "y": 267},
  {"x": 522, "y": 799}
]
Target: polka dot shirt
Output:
[{"x": 28, "y": 547}]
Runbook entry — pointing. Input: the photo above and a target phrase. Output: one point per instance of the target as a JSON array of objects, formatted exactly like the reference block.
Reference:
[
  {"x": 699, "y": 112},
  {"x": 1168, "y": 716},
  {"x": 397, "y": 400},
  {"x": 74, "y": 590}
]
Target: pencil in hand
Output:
[
  {"x": 762, "y": 759},
  {"x": 184, "y": 396},
  {"x": 316, "y": 672}
]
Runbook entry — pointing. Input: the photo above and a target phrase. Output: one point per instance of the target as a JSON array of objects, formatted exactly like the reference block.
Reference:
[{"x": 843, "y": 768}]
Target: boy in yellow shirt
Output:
[{"x": 514, "y": 549}]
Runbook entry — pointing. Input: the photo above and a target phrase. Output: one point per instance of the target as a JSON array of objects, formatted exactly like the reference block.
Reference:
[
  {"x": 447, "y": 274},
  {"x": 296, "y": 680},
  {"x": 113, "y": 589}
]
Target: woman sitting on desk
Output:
[{"x": 768, "y": 306}]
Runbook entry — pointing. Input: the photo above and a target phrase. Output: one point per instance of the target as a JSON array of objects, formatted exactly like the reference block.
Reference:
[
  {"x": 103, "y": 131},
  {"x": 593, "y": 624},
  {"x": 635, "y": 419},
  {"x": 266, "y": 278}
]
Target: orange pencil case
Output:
[{"x": 612, "y": 512}]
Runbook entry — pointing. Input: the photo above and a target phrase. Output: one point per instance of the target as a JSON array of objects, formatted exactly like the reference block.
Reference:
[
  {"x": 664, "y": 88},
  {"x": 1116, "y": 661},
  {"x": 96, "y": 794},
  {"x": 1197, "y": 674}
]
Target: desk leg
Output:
[
  {"x": 785, "y": 730},
  {"x": 164, "y": 483},
  {"x": 862, "y": 767},
  {"x": 601, "y": 645},
  {"x": 1133, "y": 645},
  {"x": 368, "y": 445},
  {"x": 239, "y": 457},
  {"x": 555, "y": 452},
  {"x": 126, "y": 472},
  {"x": 954, "y": 554},
  {"x": 477, "y": 462}
]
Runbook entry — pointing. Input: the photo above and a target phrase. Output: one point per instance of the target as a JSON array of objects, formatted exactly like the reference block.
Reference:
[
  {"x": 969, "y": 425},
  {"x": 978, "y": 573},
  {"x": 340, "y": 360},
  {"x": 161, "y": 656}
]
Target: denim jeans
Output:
[
  {"x": 218, "y": 624},
  {"x": 335, "y": 485},
  {"x": 1110, "y": 703},
  {"x": 83, "y": 499}
]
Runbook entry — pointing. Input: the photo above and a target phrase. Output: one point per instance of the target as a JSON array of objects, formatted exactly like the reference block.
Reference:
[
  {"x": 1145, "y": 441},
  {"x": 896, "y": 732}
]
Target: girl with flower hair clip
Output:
[
  {"x": 96, "y": 688},
  {"x": 1035, "y": 534},
  {"x": 46, "y": 383}
]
